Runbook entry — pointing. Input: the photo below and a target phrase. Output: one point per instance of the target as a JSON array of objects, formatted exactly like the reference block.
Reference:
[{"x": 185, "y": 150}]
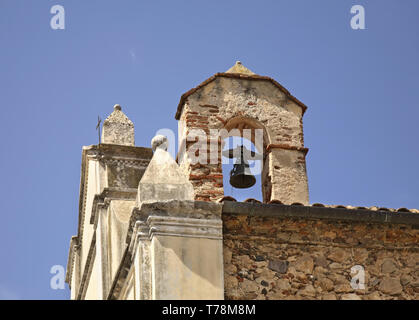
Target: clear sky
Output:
[{"x": 360, "y": 86}]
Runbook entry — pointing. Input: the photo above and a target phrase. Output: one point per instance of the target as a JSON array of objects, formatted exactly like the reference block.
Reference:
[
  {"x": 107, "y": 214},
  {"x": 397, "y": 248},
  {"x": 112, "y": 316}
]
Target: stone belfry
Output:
[{"x": 240, "y": 99}]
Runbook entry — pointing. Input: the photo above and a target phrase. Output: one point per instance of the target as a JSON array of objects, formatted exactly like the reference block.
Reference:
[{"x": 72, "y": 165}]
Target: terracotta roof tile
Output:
[
  {"x": 348, "y": 207},
  {"x": 251, "y": 200}
]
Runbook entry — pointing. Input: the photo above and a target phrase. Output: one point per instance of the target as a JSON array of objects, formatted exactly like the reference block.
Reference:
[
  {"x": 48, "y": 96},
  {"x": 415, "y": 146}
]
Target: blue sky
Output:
[{"x": 360, "y": 86}]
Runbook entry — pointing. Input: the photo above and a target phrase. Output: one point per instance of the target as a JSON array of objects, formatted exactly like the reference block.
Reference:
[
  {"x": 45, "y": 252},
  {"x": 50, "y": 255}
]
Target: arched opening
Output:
[
  {"x": 253, "y": 136},
  {"x": 255, "y": 166}
]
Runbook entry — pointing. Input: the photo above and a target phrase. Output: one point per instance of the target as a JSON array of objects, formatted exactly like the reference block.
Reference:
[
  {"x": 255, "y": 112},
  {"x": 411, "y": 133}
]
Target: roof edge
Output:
[{"x": 323, "y": 213}]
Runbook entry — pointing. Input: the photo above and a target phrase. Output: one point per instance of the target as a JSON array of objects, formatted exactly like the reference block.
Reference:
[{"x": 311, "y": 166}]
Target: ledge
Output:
[{"x": 323, "y": 213}]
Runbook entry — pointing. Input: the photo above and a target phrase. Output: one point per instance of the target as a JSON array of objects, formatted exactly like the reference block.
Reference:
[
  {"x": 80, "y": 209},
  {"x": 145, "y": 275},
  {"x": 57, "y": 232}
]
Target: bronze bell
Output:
[{"x": 240, "y": 177}]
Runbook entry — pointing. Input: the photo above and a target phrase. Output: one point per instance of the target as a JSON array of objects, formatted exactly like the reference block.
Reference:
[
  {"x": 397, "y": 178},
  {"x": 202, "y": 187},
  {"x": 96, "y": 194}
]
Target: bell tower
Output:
[{"x": 231, "y": 102}]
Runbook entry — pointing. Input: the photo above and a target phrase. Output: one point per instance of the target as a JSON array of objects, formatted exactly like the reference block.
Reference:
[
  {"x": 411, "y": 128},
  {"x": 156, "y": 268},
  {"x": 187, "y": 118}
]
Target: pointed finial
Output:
[
  {"x": 118, "y": 129},
  {"x": 163, "y": 179},
  {"x": 239, "y": 68}
]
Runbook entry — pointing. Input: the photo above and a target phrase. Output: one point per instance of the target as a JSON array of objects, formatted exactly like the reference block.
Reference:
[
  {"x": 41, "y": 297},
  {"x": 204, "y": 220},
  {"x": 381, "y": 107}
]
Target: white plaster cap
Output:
[{"x": 159, "y": 142}]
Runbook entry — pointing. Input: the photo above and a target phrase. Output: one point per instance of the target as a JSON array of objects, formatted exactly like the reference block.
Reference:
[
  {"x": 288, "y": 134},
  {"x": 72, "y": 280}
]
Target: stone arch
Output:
[{"x": 241, "y": 123}]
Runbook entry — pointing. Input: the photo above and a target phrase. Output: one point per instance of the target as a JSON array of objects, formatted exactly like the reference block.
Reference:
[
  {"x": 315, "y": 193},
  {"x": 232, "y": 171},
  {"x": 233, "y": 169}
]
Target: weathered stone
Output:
[
  {"x": 326, "y": 284},
  {"x": 360, "y": 255},
  {"x": 244, "y": 273},
  {"x": 230, "y": 282},
  {"x": 266, "y": 274},
  {"x": 343, "y": 288},
  {"x": 259, "y": 258},
  {"x": 118, "y": 129},
  {"x": 412, "y": 260},
  {"x": 244, "y": 260},
  {"x": 339, "y": 255},
  {"x": 320, "y": 271},
  {"x": 304, "y": 264},
  {"x": 373, "y": 296},
  {"x": 280, "y": 266},
  {"x": 415, "y": 283},
  {"x": 390, "y": 286},
  {"x": 350, "y": 296},
  {"x": 321, "y": 261},
  {"x": 227, "y": 255},
  {"x": 330, "y": 234},
  {"x": 329, "y": 296},
  {"x": 388, "y": 266},
  {"x": 335, "y": 266},
  {"x": 264, "y": 283},
  {"x": 239, "y": 68},
  {"x": 249, "y": 296},
  {"x": 374, "y": 282},
  {"x": 275, "y": 295},
  {"x": 248, "y": 286},
  {"x": 405, "y": 279},
  {"x": 230, "y": 269},
  {"x": 282, "y": 284},
  {"x": 338, "y": 278},
  {"x": 308, "y": 291},
  {"x": 260, "y": 264}
]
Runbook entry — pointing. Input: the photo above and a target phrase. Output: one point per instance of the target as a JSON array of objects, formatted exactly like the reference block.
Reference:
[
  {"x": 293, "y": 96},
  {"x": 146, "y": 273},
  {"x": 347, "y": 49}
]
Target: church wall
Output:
[
  {"x": 119, "y": 214},
  {"x": 94, "y": 285},
  {"x": 92, "y": 190},
  {"x": 128, "y": 292},
  {"x": 272, "y": 258},
  {"x": 183, "y": 268}
]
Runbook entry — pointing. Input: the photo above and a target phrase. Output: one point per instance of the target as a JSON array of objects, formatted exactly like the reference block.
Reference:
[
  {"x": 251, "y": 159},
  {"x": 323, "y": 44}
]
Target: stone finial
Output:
[
  {"x": 239, "y": 68},
  {"x": 163, "y": 179},
  {"x": 160, "y": 142},
  {"x": 118, "y": 129}
]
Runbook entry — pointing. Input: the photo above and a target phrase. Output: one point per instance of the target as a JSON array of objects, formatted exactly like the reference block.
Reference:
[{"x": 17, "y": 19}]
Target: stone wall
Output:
[{"x": 282, "y": 258}]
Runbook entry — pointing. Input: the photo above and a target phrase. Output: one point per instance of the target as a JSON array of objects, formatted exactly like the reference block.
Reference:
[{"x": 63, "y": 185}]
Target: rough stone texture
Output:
[
  {"x": 271, "y": 258},
  {"x": 118, "y": 129},
  {"x": 243, "y": 101}
]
